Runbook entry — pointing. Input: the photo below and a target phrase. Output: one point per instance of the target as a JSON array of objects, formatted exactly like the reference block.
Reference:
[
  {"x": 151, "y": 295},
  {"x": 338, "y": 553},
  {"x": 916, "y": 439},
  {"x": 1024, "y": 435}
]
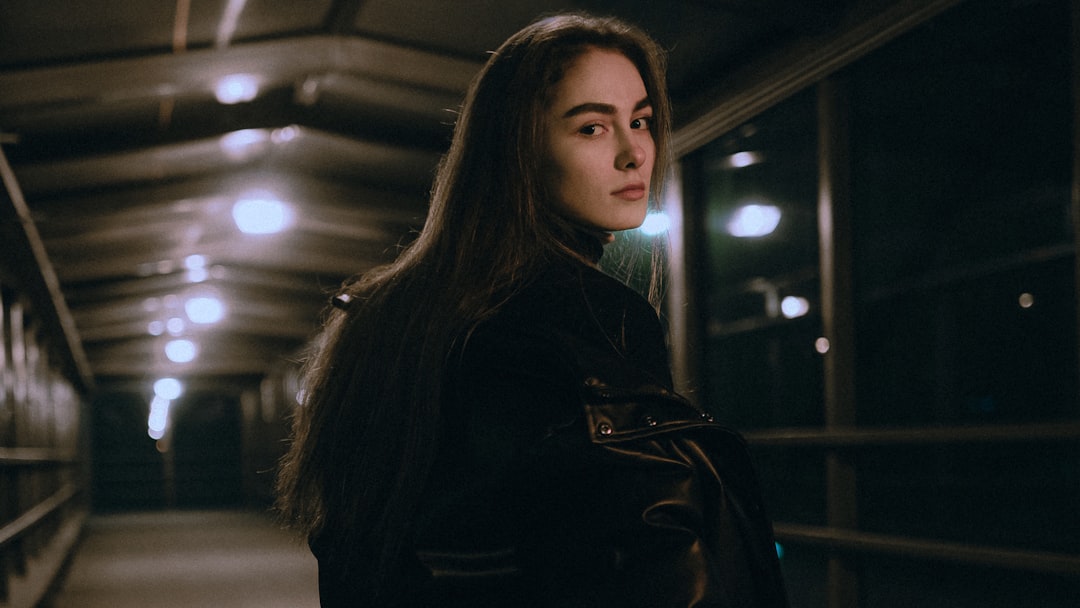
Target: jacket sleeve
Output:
[
  {"x": 618, "y": 492},
  {"x": 652, "y": 505}
]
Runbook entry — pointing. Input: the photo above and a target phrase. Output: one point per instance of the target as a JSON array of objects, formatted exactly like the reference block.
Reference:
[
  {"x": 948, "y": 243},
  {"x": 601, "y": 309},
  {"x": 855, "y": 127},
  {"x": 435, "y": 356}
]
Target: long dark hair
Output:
[{"x": 366, "y": 433}]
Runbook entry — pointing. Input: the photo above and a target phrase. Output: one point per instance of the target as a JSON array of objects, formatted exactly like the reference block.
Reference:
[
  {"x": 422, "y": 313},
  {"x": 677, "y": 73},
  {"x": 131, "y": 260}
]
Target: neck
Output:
[{"x": 589, "y": 243}]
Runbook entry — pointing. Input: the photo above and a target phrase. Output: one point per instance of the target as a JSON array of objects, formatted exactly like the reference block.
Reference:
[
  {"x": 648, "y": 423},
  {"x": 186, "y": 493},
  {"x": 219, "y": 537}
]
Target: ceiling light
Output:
[
  {"x": 237, "y": 88},
  {"x": 204, "y": 310},
  {"x": 168, "y": 388},
  {"x": 197, "y": 275},
  {"x": 196, "y": 265},
  {"x": 261, "y": 213},
  {"x": 181, "y": 351},
  {"x": 158, "y": 421},
  {"x": 175, "y": 325}
]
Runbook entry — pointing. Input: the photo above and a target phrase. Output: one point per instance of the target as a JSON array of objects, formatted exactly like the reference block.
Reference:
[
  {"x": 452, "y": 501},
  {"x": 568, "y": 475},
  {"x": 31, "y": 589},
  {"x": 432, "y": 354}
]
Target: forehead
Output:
[{"x": 601, "y": 76}]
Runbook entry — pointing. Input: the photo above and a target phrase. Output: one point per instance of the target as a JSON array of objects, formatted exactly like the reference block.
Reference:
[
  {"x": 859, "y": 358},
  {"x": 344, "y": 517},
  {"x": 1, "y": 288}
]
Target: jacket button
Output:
[
  {"x": 649, "y": 421},
  {"x": 604, "y": 429}
]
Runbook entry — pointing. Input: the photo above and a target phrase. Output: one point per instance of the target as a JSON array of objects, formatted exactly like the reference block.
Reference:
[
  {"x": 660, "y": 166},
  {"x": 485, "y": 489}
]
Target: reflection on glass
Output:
[
  {"x": 754, "y": 220},
  {"x": 762, "y": 244}
]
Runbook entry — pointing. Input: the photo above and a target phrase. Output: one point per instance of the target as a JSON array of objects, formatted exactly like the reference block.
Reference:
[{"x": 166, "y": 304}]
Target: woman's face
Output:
[{"x": 599, "y": 145}]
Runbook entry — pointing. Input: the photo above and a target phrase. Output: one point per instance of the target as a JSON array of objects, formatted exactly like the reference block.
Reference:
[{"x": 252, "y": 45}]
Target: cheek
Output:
[
  {"x": 562, "y": 171},
  {"x": 650, "y": 151}
]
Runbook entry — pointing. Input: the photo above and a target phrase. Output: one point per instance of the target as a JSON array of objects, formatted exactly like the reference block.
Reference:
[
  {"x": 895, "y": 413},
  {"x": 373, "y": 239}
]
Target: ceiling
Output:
[{"x": 124, "y": 164}]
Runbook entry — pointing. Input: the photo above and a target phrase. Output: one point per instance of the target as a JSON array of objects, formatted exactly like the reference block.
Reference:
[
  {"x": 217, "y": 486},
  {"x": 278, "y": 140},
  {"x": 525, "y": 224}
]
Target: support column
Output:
[{"x": 837, "y": 312}]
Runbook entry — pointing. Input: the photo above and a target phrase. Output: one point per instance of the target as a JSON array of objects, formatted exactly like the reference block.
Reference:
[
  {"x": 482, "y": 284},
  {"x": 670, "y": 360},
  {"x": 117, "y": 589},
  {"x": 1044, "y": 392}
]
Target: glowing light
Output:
[
  {"x": 168, "y": 388},
  {"x": 158, "y": 420},
  {"x": 239, "y": 145},
  {"x": 155, "y": 328},
  {"x": 285, "y": 134},
  {"x": 779, "y": 551},
  {"x": 197, "y": 271},
  {"x": 237, "y": 88},
  {"x": 197, "y": 275},
  {"x": 739, "y": 160},
  {"x": 181, "y": 351},
  {"x": 204, "y": 310},
  {"x": 261, "y": 213},
  {"x": 1027, "y": 300},
  {"x": 175, "y": 326},
  {"x": 655, "y": 223},
  {"x": 754, "y": 221},
  {"x": 822, "y": 345},
  {"x": 794, "y": 306}
]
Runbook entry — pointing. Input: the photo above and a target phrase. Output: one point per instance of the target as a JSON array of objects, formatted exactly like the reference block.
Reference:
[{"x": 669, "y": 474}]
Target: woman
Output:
[{"x": 489, "y": 420}]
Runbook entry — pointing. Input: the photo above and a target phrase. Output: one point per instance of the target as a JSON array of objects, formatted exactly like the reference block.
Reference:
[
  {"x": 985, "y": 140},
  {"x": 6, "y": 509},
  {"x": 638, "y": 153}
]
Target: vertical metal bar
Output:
[
  {"x": 684, "y": 294},
  {"x": 7, "y": 396},
  {"x": 20, "y": 410},
  {"x": 1075, "y": 43},
  {"x": 837, "y": 311},
  {"x": 8, "y": 511}
]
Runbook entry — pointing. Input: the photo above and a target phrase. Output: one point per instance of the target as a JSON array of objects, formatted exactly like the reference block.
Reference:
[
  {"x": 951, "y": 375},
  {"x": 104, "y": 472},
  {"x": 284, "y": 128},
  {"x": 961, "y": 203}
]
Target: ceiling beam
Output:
[
  {"x": 147, "y": 199},
  {"x": 276, "y": 63},
  {"x": 310, "y": 150},
  {"x": 763, "y": 83}
]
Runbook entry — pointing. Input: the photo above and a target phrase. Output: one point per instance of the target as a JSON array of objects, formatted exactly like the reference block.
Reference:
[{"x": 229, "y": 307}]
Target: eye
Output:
[
  {"x": 591, "y": 129},
  {"x": 643, "y": 122}
]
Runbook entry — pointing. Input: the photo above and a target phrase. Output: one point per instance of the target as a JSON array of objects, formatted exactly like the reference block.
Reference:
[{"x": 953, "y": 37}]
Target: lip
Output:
[{"x": 631, "y": 192}]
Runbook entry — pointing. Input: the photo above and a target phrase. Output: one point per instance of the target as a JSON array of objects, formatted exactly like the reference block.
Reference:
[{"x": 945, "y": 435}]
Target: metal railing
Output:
[
  {"x": 35, "y": 527},
  {"x": 847, "y": 540}
]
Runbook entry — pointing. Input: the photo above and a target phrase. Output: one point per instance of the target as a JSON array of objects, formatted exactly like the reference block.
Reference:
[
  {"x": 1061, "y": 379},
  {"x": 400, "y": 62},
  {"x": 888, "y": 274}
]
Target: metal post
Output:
[
  {"x": 837, "y": 312},
  {"x": 1075, "y": 37}
]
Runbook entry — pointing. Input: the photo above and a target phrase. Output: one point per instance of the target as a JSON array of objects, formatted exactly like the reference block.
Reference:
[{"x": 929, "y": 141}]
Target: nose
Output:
[{"x": 631, "y": 154}]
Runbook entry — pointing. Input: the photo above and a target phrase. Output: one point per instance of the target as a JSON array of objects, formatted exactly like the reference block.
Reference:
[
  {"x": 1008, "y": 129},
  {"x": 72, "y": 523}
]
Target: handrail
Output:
[
  {"x": 35, "y": 456},
  {"x": 44, "y": 286},
  {"x": 858, "y": 541},
  {"x": 872, "y": 437},
  {"x": 34, "y": 515}
]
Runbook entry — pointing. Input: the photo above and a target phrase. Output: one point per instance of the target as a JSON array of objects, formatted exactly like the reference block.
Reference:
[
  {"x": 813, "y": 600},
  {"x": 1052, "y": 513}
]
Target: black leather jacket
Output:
[{"x": 572, "y": 475}]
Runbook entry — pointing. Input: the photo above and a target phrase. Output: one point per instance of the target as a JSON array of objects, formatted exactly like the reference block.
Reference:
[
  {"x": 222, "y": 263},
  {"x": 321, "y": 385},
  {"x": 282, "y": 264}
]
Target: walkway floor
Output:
[{"x": 219, "y": 559}]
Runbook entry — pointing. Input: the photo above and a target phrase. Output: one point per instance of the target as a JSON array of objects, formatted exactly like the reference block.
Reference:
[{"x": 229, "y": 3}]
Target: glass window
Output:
[
  {"x": 961, "y": 163},
  {"x": 962, "y": 156},
  {"x": 762, "y": 309}
]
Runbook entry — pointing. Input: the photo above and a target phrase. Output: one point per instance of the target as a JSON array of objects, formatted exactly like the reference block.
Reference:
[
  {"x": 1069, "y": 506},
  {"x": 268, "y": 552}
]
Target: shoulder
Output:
[
  {"x": 585, "y": 302},
  {"x": 555, "y": 332}
]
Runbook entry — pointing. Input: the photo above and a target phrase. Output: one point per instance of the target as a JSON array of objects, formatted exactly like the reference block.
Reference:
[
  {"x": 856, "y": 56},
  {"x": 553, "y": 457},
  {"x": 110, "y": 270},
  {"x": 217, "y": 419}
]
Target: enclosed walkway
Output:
[{"x": 223, "y": 559}]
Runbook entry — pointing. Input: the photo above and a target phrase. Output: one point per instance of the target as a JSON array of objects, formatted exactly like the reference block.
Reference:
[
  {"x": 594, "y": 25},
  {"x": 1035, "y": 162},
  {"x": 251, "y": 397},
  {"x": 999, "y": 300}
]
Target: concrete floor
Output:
[{"x": 220, "y": 559}]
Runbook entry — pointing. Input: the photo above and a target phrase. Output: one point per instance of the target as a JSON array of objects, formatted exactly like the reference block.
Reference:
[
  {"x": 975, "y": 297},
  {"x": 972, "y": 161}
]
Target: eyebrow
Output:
[{"x": 602, "y": 108}]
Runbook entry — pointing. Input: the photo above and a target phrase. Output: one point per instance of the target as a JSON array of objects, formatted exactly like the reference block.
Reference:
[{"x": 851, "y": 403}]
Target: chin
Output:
[{"x": 631, "y": 223}]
